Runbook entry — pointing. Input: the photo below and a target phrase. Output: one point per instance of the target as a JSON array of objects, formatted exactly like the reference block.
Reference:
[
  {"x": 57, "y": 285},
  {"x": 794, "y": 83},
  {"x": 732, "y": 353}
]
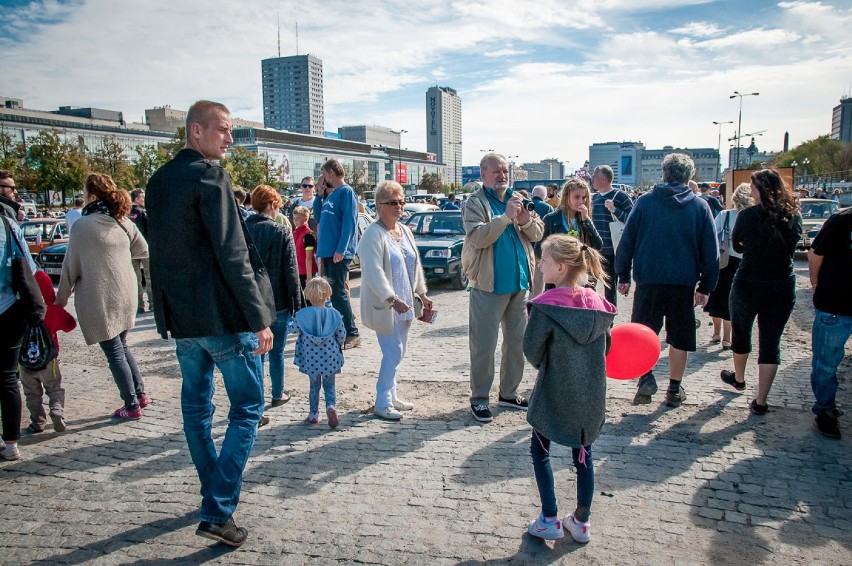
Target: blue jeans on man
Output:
[
  {"x": 221, "y": 475},
  {"x": 276, "y": 354},
  {"x": 829, "y": 336},
  {"x": 338, "y": 277}
]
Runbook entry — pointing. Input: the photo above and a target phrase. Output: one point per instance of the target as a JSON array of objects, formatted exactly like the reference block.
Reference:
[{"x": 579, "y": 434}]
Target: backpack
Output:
[
  {"x": 37, "y": 349},
  {"x": 724, "y": 238}
]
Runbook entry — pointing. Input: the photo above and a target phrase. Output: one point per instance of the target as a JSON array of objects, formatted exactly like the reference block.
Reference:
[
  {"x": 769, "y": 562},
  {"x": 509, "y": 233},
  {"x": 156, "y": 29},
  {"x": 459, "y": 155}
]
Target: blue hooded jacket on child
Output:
[{"x": 319, "y": 340}]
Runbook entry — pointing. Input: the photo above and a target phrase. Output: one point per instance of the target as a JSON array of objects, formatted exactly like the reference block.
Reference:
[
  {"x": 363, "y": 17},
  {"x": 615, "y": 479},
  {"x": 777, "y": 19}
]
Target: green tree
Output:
[
  {"x": 824, "y": 155},
  {"x": 149, "y": 159},
  {"x": 111, "y": 159},
  {"x": 430, "y": 183},
  {"x": 171, "y": 148},
  {"x": 356, "y": 177},
  {"x": 11, "y": 153},
  {"x": 245, "y": 168},
  {"x": 57, "y": 165}
]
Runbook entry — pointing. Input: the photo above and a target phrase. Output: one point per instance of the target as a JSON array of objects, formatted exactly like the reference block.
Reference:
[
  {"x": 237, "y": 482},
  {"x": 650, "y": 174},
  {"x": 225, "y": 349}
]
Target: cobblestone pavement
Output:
[{"x": 706, "y": 483}]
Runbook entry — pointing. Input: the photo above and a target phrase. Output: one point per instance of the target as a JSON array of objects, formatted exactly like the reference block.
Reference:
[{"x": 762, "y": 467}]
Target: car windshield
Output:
[
  {"x": 436, "y": 223},
  {"x": 818, "y": 209},
  {"x": 36, "y": 229}
]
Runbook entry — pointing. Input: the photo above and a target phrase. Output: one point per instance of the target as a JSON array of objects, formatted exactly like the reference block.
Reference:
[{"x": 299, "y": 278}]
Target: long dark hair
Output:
[{"x": 776, "y": 198}]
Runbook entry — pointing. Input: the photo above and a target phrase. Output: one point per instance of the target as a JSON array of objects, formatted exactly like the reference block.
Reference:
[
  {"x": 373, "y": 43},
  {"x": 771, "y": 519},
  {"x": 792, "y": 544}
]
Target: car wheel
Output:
[{"x": 460, "y": 280}]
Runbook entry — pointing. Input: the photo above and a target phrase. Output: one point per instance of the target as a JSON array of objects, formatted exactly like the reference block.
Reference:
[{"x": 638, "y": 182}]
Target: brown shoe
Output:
[{"x": 351, "y": 342}]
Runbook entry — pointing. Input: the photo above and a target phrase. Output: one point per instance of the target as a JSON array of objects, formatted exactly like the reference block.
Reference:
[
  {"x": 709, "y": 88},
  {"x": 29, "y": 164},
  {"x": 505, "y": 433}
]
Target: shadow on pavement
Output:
[{"x": 532, "y": 550}]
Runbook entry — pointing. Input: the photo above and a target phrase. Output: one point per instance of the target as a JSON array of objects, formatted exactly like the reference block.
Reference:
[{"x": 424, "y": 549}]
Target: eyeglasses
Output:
[
  {"x": 394, "y": 202},
  {"x": 7, "y": 186},
  {"x": 306, "y": 186}
]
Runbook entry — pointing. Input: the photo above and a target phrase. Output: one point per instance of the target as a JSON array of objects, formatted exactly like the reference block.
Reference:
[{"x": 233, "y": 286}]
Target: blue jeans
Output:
[
  {"x": 327, "y": 383},
  {"x": 540, "y": 452},
  {"x": 276, "y": 354},
  {"x": 221, "y": 475},
  {"x": 830, "y": 333},
  {"x": 338, "y": 277}
]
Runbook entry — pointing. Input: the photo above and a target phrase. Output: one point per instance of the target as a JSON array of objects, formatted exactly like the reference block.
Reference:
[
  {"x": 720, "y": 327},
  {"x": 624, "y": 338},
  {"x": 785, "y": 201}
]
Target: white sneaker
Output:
[
  {"x": 401, "y": 405},
  {"x": 388, "y": 413},
  {"x": 580, "y": 532},
  {"x": 10, "y": 452},
  {"x": 544, "y": 530}
]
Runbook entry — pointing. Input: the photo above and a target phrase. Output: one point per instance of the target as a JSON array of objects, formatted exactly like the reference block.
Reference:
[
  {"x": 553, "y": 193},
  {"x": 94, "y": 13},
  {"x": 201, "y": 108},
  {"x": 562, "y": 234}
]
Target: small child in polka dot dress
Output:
[{"x": 320, "y": 334}]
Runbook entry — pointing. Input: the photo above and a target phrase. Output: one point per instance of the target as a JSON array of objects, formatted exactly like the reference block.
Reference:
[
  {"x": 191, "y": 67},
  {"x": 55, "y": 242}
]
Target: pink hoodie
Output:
[{"x": 581, "y": 298}]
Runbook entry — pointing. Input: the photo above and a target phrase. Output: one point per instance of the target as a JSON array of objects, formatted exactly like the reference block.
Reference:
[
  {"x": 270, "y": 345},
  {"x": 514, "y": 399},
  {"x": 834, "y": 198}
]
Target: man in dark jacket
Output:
[
  {"x": 213, "y": 295},
  {"x": 670, "y": 243},
  {"x": 142, "y": 267}
]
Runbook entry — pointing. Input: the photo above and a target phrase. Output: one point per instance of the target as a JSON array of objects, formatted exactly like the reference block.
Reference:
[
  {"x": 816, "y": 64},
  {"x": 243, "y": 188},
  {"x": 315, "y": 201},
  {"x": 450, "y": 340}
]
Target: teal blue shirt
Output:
[{"x": 511, "y": 269}]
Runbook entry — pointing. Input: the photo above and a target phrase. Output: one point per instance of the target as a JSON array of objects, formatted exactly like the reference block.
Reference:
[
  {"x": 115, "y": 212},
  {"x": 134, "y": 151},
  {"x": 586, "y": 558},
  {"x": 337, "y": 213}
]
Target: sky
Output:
[{"x": 537, "y": 79}]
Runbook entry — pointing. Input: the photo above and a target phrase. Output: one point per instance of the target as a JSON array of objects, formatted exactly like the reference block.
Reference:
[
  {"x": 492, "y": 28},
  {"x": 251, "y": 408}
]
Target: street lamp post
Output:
[
  {"x": 511, "y": 159},
  {"x": 794, "y": 164},
  {"x": 719, "y": 150},
  {"x": 398, "y": 154},
  {"x": 805, "y": 163},
  {"x": 740, "y": 121}
]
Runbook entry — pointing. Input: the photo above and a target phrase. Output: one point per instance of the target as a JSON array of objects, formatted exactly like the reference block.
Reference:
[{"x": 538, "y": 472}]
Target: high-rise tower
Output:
[
  {"x": 444, "y": 129},
  {"x": 292, "y": 94}
]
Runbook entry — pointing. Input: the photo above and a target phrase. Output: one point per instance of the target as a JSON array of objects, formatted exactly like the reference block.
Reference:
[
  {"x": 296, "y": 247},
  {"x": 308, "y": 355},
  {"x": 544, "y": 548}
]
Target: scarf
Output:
[{"x": 97, "y": 206}]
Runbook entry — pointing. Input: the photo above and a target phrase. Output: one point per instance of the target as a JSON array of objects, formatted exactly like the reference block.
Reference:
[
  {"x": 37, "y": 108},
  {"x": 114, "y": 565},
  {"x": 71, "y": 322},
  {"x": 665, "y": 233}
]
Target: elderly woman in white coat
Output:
[{"x": 393, "y": 291}]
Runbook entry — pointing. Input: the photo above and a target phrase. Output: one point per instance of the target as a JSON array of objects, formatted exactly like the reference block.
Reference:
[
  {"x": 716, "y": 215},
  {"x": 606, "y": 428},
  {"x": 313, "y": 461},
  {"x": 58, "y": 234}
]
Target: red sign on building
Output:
[{"x": 401, "y": 173}]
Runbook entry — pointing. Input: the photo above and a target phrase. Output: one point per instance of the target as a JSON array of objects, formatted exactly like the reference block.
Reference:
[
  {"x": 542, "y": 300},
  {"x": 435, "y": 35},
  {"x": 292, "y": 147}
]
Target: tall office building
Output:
[
  {"x": 841, "y": 121},
  {"x": 444, "y": 129},
  {"x": 292, "y": 94}
]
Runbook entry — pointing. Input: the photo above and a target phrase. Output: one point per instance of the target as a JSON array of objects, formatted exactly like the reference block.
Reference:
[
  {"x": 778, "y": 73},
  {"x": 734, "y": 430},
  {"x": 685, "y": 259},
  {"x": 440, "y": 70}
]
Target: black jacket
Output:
[
  {"x": 207, "y": 276},
  {"x": 588, "y": 233},
  {"x": 278, "y": 252},
  {"x": 140, "y": 218}
]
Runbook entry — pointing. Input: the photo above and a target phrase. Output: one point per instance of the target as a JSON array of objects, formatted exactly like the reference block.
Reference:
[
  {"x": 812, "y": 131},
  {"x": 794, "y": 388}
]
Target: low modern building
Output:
[
  {"x": 294, "y": 156},
  {"x": 372, "y": 135},
  {"x": 167, "y": 119},
  {"x": 545, "y": 169},
  {"x": 706, "y": 163}
]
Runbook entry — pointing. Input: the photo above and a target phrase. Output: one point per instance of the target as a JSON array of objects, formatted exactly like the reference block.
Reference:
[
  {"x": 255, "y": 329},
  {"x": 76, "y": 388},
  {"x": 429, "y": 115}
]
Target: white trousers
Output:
[{"x": 393, "y": 351}]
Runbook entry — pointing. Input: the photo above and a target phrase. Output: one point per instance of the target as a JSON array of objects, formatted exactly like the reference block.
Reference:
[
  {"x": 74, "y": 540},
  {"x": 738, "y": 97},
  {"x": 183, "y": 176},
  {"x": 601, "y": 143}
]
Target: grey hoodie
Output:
[{"x": 568, "y": 346}]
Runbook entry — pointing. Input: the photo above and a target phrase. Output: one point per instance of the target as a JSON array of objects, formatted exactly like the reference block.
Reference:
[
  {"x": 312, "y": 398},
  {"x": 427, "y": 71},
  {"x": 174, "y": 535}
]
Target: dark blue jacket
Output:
[{"x": 669, "y": 239}]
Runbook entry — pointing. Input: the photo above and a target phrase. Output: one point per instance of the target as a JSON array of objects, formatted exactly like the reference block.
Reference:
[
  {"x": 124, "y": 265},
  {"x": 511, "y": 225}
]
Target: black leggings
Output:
[
  {"x": 771, "y": 302},
  {"x": 11, "y": 334}
]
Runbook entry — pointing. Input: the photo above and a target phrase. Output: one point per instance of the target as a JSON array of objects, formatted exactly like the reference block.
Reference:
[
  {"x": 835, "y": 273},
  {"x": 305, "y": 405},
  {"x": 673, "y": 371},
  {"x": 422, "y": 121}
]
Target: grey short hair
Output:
[
  {"x": 606, "y": 171},
  {"x": 539, "y": 191},
  {"x": 489, "y": 157},
  {"x": 678, "y": 168},
  {"x": 386, "y": 189}
]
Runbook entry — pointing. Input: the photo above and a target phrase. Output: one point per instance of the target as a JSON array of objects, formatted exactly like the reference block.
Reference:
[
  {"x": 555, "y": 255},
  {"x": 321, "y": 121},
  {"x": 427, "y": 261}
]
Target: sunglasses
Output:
[
  {"x": 306, "y": 186},
  {"x": 394, "y": 202}
]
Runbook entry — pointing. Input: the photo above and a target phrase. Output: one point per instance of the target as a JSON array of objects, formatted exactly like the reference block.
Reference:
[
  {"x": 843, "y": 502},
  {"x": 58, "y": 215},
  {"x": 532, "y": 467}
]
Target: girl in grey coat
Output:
[{"x": 566, "y": 339}]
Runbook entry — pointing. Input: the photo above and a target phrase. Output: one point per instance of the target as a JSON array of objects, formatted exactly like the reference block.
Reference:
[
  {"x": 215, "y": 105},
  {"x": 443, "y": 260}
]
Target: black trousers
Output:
[{"x": 11, "y": 335}]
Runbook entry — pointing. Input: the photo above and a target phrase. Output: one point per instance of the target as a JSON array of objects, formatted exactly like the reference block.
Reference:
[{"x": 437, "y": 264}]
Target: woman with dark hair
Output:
[
  {"x": 98, "y": 269},
  {"x": 573, "y": 217},
  {"x": 718, "y": 303},
  {"x": 276, "y": 248},
  {"x": 764, "y": 285}
]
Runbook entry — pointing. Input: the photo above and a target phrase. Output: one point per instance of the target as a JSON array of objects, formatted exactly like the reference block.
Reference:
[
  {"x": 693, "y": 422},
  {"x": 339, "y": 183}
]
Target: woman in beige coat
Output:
[
  {"x": 99, "y": 271},
  {"x": 393, "y": 291}
]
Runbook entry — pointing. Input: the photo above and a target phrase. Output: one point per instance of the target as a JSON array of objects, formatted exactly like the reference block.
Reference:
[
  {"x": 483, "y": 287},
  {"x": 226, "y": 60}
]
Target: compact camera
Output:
[{"x": 529, "y": 205}]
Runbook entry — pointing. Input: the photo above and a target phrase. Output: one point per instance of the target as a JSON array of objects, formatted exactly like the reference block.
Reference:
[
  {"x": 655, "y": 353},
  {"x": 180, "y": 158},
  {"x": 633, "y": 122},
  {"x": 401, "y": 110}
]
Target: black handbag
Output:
[
  {"x": 24, "y": 284},
  {"x": 38, "y": 348}
]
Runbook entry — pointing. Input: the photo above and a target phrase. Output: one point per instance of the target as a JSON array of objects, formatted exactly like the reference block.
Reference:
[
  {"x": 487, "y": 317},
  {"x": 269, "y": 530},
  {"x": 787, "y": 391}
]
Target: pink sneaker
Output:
[
  {"x": 144, "y": 401},
  {"x": 333, "y": 421},
  {"x": 312, "y": 419},
  {"x": 128, "y": 415}
]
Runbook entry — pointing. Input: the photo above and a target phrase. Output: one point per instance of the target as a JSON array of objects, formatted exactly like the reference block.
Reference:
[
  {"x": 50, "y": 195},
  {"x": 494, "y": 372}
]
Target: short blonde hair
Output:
[
  {"x": 318, "y": 291},
  {"x": 386, "y": 189},
  {"x": 301, "y": 211}
]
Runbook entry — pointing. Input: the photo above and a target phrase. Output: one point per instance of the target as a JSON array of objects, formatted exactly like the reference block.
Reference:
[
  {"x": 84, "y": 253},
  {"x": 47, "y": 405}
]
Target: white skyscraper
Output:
[
  {"x": 292, "y": 94},
  {"x": 444, "y": 129}
]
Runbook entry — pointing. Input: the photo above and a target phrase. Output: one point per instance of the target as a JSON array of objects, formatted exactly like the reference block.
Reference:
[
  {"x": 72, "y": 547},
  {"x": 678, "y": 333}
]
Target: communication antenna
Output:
[
  {"x": 297, "y": 37},
  {"x": 279, "y": 32}
]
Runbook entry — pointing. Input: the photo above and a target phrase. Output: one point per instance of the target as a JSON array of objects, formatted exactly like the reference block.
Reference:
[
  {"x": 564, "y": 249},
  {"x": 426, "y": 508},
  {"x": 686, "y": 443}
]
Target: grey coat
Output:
[{"x": 568, "y": 346}]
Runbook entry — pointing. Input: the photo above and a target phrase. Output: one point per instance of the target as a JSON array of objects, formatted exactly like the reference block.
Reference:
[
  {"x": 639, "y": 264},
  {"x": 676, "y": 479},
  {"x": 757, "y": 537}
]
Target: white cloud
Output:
[{"x": 699, "y": 29}]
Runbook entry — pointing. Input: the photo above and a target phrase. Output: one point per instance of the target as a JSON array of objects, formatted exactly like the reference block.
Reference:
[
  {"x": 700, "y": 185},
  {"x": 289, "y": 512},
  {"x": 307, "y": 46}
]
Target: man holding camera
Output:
[{"x": 498, "y": 259}]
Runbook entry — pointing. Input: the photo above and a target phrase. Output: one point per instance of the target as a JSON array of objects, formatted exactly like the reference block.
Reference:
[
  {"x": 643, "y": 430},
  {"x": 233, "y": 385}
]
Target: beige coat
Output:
[
  {"x": 98, "y": 270},
  {"x": 482, "y": 230},
  {"x": 377, "y": 278}
]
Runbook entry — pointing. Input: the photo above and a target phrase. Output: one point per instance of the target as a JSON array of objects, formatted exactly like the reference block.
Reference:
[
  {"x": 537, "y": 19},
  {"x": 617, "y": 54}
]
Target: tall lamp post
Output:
[
  {"x": 719, "y": 150},
  {"x": 794, "y": 164},
  {"x": 455, "y": 146},
  {"x": 805, "y": 163},
  {"x": 740, "y": 121},
  {"x": 398, "y": 154}
]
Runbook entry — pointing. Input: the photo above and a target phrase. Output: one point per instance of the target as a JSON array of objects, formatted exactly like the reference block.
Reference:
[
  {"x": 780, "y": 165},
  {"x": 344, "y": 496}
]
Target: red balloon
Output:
[{"x": 635, "y": 350}]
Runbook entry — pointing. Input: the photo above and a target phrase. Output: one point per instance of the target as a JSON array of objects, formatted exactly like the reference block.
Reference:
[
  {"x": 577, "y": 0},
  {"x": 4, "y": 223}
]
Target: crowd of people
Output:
[{"x": 229, "y": 285}]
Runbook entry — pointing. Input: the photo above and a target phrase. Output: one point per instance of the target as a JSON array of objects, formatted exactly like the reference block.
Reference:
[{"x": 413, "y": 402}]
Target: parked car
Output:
[
  {"x": 50, "y": 260},
  {"x": 364, "y": 221},
  {"x": 415, "y": 207},
  {"x": 814, "y": 214},
  {"x": 439, "y": 236},
  {"x": 43, "y": 232}
]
